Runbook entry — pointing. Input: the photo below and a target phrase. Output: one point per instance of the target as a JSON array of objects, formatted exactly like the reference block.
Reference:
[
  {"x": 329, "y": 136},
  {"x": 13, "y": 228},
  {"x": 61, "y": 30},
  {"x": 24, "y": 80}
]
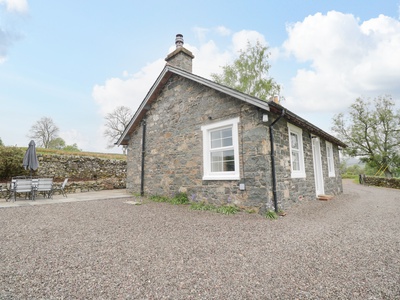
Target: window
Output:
[
  {"x": 296, "y": 152},
  {"x": 221, "y": 150},
  {"x": 329, "y": 156}
]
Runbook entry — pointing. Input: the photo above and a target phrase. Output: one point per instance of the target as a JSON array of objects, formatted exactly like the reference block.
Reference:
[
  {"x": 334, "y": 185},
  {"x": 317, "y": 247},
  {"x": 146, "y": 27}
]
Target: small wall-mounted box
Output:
[
  {"x": 265, "y": 118},
  {"x": 242, "y": 186}
]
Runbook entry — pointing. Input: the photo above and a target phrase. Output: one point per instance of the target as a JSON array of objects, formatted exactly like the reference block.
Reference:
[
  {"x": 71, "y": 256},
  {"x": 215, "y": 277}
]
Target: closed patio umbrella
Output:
[{"x": 30, "y": 159}]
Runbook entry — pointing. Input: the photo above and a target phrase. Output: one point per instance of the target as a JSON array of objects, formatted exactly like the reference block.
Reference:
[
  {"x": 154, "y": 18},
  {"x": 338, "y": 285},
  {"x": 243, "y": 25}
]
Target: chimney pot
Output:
[{"x": 179, "y": 40}]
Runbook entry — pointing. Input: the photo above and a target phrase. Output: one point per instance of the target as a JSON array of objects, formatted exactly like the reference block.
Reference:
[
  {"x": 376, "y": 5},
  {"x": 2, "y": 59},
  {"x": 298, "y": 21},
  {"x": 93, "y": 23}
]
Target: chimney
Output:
[
  {"x": 275, "y": 99},
  {"x": 180, "y": 57}
]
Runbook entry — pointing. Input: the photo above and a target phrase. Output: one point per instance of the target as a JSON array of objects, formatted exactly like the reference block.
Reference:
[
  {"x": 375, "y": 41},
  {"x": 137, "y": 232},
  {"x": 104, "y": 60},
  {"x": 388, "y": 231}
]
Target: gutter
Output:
[{"x": 273, "y": 171}]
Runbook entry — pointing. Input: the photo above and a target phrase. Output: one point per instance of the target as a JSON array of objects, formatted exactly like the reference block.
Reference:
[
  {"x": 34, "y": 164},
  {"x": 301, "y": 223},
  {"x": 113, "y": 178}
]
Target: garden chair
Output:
[
  {"x": 21, "y": 185},
  {"x": 45, "y": 186},
  {"x": 61, "y": 188}
]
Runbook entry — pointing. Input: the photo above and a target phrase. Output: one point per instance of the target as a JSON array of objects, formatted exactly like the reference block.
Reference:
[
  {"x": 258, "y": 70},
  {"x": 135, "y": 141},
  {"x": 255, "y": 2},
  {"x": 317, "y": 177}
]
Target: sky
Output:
[{"x": 76, "y": 61}]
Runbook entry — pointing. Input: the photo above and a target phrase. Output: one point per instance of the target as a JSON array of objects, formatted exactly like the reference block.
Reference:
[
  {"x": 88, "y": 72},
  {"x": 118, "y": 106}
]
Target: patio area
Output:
[{"x": 73, "y": 197}]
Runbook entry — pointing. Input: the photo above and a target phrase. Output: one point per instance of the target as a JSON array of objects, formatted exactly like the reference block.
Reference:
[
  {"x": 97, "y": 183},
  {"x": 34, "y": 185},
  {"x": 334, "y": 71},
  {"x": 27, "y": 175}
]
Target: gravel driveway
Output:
[{"x": 346, "y": 248}]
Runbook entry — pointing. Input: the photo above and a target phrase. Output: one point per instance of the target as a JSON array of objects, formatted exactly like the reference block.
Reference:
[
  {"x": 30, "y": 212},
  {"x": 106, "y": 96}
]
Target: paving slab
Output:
[{"x": 75, "y": 197}]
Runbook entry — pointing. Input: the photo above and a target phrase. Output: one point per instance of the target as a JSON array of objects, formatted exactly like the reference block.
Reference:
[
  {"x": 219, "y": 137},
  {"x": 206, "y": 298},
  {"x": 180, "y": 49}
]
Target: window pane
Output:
[
  {"x": 216, "y": 161},
  {"x": 215, "y": 139},
  {"x": 330, "y": 159},
  {"x": 226, "y": 142},
  {"x": 223, "y": 161},
  {"x": 221, "y": 138},
  {"x": 229, "y": 161},
  {"x": 295, "y": 161},
  {"x": 216, "y": 156},
  {"x": 294, "y": 140},
  {"x": 328, "y": 150},
  {"x": 216, "y": 167},
  {"x": 216, "y": 135},
  {"x": 227, "y": 132},
  {"x": 215, "y": 144}
]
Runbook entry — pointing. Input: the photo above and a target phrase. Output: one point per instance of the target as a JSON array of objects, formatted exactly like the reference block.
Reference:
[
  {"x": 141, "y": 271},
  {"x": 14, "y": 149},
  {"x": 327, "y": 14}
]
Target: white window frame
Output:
[
  {"x": 301, "y": 173},
  {"x": 330, "y": 159},
  {"x": 207, "y": 129}
]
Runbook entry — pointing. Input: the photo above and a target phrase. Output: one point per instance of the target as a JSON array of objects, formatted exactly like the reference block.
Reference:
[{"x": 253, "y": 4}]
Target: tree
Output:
[
  {"x": 43, "y": 132},
  {"x": 57, "y": 143},
  {"x": 249, "y": 73},
  {"x": 72, "y": 148},
  {"x": 372, "y": 133},
  {"x": 116, "y": 122},
  {"x": 1, "y": 142}
]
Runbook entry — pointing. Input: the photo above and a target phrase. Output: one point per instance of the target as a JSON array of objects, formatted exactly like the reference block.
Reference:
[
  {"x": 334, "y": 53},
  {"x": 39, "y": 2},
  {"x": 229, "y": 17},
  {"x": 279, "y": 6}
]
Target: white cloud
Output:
[
  {"x": 240, "y": 39},
  {"x": 7, "y": 37},
  {"x": 127, "y": 92},
  {"x": 209, "y": 59},
  {"x": 346, "y": 60},
  {"x": 19, "y": 6},
  {"x": 222, "y": 30},
  {"x": 201, "y": 32}
]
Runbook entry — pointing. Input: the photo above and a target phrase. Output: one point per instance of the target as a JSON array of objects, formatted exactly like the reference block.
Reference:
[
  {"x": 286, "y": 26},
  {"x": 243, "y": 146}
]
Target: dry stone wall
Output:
[
  {"x": 80, "y": 167},
  {"x": 383, "y": 182}
]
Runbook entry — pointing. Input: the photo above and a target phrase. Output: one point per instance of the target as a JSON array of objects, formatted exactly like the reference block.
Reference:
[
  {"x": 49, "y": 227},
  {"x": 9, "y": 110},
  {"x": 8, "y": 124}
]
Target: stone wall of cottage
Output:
[
  {"x": 174, "y": 151},
  {"x": 292, "y": 190},
  {"x": 333, "y": 185}
]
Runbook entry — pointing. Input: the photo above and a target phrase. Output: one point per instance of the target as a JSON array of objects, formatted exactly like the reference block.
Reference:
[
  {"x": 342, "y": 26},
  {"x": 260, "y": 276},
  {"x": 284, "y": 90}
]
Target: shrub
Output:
[{"x": 11, "y": 162}]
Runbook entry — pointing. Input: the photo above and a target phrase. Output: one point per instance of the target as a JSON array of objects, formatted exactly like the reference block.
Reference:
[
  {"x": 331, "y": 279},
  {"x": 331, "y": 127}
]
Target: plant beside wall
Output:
[
  {"x": 11, "y": 162},
  {"x": 180, "y": 198},
  {"x": 270, "y": 214},
  {"x": 223, "y": 209}
]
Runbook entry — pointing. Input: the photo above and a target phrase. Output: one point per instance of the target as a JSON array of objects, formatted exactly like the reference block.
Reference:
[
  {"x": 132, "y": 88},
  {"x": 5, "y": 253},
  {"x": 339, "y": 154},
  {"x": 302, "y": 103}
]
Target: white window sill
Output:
[
  {"x": 221, "y": 177},
  {"x": 298, "y": 175}
]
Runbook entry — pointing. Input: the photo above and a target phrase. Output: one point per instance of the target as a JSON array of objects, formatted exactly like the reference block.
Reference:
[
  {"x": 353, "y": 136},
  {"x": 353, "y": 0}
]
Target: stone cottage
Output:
[{"x": 222, "y": 146}]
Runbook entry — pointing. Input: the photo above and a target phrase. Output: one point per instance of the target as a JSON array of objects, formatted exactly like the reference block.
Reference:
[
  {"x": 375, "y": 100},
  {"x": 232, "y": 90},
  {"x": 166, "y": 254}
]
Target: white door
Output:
[{"x": 319, "y": 177}]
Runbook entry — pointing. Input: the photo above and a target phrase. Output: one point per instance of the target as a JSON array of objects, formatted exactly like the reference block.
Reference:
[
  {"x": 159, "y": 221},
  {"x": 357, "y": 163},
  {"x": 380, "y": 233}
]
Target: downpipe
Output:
[
  {"x": 143, "y": 157},
  {"x": 273, "y": 170}
]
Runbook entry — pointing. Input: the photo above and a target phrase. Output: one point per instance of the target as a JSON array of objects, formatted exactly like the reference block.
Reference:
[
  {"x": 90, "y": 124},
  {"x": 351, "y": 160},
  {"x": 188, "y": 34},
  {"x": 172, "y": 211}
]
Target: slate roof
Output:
[{"x": 271, "y": 106}]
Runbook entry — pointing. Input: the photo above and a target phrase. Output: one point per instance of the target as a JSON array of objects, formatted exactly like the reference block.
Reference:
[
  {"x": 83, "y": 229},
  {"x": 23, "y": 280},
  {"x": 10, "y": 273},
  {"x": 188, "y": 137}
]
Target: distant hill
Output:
[{"x": 351, "y": 161}]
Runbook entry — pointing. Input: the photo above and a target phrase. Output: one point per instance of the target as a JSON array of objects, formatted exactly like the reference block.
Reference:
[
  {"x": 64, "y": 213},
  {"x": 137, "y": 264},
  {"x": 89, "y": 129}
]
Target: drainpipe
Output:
[
  {"x": 143, "y": 154},
  {"x": 273, "y": 172}
]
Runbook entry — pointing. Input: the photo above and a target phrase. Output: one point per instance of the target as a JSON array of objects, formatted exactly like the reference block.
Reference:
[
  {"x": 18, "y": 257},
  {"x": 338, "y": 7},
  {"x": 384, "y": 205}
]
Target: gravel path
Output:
[{"x": 346, "y": 248}]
